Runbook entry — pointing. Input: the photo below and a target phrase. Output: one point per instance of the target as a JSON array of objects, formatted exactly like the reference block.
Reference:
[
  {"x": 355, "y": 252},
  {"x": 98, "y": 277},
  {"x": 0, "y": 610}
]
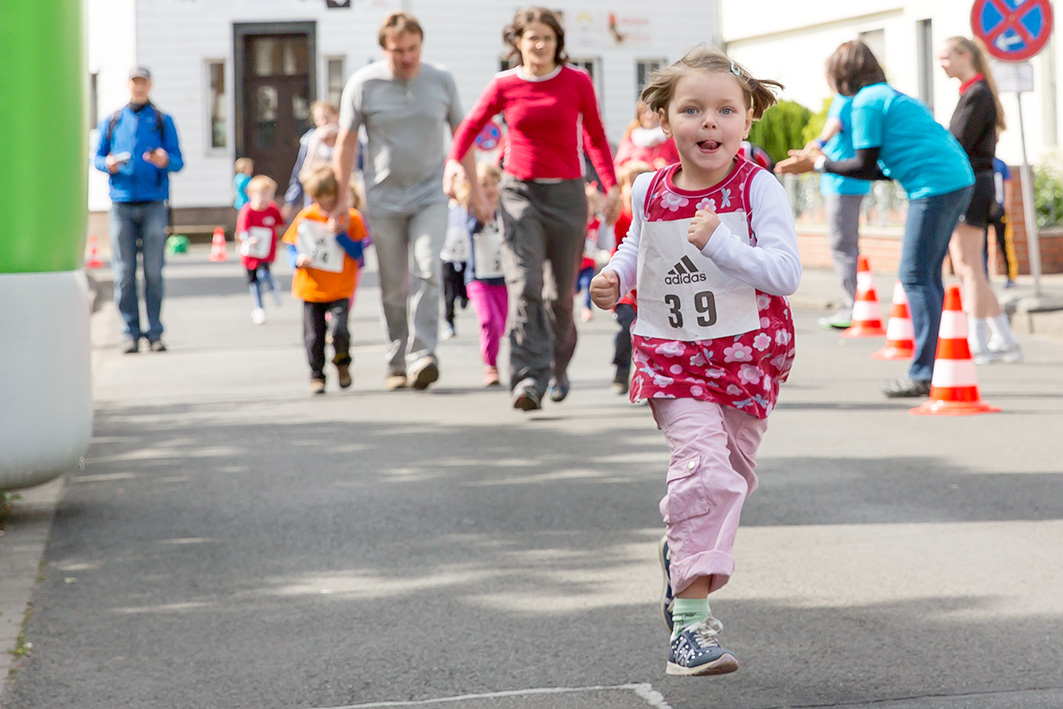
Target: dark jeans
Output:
[
  {"x": 314, "y": 334},
  {"x": 138, "y": 228},
  {"x": 927, "y": 232},
  {"x": 624, "y": 313}
]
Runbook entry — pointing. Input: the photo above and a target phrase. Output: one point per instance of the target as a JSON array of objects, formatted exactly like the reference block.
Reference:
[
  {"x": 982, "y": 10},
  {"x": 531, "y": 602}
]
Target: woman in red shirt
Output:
[{"x": 548, "y": 107}]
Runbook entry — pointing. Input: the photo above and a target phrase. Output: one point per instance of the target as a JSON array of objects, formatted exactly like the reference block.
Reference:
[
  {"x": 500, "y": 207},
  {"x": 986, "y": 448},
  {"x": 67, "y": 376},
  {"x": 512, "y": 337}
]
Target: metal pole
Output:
[{"x": 1033, "y": 243}]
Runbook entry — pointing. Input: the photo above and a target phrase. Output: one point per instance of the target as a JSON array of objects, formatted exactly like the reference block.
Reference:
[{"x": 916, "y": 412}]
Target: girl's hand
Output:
[
  {"x": 303, "y": 261},
  {"x": 605, "y": 289},
  {"x": 701, "y": 228}
]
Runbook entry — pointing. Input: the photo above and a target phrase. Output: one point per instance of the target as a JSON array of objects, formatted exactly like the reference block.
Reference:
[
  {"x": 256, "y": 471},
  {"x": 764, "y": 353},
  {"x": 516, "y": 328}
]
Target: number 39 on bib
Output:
[{"x": 682, "y": 294}]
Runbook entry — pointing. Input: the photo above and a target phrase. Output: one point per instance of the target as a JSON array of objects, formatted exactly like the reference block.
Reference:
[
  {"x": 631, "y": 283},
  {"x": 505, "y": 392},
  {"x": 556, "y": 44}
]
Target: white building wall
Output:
[
  {"x": 175, "y": 38},
  {"x": 111, "y": 29},
  {"x": 780, "y": 43}
]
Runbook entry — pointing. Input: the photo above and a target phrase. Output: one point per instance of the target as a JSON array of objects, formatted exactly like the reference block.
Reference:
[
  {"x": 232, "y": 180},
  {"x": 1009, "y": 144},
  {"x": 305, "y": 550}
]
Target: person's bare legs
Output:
[
  {"x": 985, "y": 316},
  {"x": 966, "y": 252}
]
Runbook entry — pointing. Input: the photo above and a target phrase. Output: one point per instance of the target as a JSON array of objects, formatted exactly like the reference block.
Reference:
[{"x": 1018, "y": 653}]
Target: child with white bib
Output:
[{"x": 712, "y": 251}]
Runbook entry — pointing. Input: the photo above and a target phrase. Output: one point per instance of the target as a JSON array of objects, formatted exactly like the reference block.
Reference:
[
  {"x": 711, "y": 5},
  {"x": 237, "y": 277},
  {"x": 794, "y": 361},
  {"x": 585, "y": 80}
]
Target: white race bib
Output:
[
  {"x": 315, "y": 240},
  {"x": 265, "y": 241},
  {"x": 487, "y": 251},
  {"x": 682, "y": 295}
]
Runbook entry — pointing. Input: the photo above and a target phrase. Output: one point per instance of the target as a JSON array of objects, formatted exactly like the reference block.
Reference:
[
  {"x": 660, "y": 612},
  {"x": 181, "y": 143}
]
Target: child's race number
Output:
[
  {"x": 704, "y": 309},
  {"x": 316, "y": 241}
]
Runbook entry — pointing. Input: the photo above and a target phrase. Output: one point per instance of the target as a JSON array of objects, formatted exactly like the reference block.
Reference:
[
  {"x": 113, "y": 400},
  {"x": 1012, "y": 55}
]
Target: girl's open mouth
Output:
[{"x": 709, "y": 145}]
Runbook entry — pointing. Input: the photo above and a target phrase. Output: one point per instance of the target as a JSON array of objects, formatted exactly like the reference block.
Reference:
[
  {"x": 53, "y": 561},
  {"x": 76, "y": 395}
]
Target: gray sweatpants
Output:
[
  {"x": 408, "y": 245},
  {"x": 545, "y": 225},
  {"x": 843, "y": 233}
]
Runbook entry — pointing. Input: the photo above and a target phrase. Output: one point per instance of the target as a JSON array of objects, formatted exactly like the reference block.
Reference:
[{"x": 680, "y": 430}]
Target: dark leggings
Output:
[
  {"x": 453, "y": 289},
  {"x": 624, "y": 313}
]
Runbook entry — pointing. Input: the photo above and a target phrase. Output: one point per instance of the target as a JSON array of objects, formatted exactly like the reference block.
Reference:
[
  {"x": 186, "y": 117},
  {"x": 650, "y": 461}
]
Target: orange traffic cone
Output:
[
  {"x": 93, "y": 260},
  {"x": 218, "y": 251},
  {"x": 900, "y": 335},
  {"x": 867, "y": 316},
  {"x": 954, "y": 386}
]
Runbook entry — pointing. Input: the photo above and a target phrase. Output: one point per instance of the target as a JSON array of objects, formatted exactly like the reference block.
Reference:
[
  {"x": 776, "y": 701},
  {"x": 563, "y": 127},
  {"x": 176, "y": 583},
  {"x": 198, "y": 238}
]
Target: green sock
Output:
[{"x": 688, "y": 611}]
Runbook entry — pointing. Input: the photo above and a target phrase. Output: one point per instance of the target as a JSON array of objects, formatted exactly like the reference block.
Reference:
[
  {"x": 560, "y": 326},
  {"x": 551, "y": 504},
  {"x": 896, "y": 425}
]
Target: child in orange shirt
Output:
[{"x": 326, "y": 259}]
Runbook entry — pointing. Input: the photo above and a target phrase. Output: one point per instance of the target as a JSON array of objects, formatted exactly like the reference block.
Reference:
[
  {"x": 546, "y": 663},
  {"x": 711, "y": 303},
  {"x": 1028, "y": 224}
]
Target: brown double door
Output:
[{"x": 275, "y": 78}]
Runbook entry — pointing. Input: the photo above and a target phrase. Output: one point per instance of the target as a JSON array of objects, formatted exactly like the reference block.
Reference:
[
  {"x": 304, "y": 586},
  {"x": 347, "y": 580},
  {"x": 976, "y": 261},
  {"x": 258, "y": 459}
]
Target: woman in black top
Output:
[{"x": 975, "y": 123}]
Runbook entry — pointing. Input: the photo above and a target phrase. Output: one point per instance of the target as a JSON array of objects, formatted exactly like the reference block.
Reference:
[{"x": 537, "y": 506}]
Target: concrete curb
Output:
[{"x": 21, "y": 548}]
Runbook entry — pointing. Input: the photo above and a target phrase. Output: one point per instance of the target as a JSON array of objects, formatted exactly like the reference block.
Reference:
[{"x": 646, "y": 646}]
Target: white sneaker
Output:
[
  {"x": 258, "y": 316},
  {"x": 984, "y": 356},
  {"x": 841, "y": 320},
  {"x": 448, "y": 332},
  {"x": 1008, "y": 354}
]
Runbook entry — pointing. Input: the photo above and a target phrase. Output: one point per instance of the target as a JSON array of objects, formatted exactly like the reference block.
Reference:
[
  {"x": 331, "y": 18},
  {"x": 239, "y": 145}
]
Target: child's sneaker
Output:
[
  {"x": 448, "y": 332},
  {"x": 317, "y": 386},
  {"x": 1006, "y": 353},
  {"x": 344, "y": 373},
  {"x": 697, "y": 652},
  {"x": 667, "y": 599},
  {"x": 258, "y": 316},
  {"x": 621, "y": 381}
]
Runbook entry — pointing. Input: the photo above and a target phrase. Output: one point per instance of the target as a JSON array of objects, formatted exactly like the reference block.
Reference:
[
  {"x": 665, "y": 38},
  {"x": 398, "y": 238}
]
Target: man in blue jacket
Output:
[{"x": 139, "y": 149}]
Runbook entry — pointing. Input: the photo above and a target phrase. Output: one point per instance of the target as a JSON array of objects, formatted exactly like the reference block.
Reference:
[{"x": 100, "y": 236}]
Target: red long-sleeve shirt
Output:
[{"x": 544, "y": 125}]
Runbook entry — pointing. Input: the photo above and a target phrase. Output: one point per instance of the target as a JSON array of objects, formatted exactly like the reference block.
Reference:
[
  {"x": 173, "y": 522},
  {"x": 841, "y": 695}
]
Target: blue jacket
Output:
[{"x": 136, "y": 133}]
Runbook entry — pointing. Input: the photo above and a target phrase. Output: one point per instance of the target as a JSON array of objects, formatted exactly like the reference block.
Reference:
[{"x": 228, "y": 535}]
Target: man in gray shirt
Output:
[{"x": 405, "y": 107}]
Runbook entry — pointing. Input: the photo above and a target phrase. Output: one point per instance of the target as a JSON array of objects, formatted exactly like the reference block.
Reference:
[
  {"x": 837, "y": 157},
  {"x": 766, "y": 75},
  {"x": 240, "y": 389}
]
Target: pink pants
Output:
[
  {"x": 709, "y": 476},
  {"x": 492, "y": 305}
]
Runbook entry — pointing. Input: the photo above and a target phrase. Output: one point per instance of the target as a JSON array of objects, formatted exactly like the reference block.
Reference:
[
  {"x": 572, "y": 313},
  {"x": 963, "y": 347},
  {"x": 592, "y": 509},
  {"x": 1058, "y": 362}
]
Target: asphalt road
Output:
[{"x": 234, "y": 542}]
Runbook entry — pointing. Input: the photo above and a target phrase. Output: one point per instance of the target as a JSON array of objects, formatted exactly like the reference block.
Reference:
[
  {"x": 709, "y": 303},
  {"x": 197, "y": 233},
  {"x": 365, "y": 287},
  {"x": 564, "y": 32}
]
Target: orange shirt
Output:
[{"x": 314, "y": 285}]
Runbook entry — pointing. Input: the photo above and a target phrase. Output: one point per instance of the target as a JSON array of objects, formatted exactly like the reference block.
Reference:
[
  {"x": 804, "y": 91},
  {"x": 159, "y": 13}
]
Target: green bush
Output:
[
  {"x": 781, "y": 129},
  {"x": 1048, "y": 190}
]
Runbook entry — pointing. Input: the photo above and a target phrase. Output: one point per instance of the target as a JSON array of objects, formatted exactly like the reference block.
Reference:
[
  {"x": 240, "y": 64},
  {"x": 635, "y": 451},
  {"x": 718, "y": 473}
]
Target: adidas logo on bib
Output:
[{"x": 684, "y": 272}]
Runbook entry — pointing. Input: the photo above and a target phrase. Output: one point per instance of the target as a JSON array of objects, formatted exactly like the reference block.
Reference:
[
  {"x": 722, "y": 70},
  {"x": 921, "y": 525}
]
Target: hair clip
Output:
[{"x": 735, "y": 70}]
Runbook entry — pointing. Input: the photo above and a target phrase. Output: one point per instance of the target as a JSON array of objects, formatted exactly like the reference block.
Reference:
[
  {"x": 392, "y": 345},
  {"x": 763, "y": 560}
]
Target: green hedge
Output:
[{"x": 781, "y": 129}]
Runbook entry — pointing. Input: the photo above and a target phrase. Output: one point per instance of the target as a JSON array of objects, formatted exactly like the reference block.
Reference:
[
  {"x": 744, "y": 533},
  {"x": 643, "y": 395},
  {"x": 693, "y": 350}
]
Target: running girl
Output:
[{"x": 712, "y": 251}]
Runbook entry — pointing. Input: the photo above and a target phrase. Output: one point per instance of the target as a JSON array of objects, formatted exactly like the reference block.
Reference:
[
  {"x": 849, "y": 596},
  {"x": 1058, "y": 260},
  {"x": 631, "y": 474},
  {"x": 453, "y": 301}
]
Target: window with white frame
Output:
[
  {"x": 924, "y": 48},
  {"x": 643, "y": 69},
  {"x": 335, "y": 78},
  {"x": 94, "y": 99},
  {"x": 876, "y": 42},
  {"x": 593, "y": 67},
  {"x": 218, "y": 104}
]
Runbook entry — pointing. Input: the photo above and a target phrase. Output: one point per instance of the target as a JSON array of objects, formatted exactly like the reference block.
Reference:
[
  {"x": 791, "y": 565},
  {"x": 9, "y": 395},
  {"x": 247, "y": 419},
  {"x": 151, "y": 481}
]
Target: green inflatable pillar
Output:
[{"x": 45, "y": 385}]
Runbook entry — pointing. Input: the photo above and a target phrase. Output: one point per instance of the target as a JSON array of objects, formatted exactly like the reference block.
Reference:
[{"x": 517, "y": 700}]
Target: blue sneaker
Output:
[
  {"x": 559, "y": 388},
  {"x": 667, "y": 599},
  {"x": 697, "y": 652}
]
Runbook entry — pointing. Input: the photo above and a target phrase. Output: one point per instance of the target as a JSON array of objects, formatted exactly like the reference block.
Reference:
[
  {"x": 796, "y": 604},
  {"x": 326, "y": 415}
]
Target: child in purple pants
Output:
[{"x": 484, "y": 282}]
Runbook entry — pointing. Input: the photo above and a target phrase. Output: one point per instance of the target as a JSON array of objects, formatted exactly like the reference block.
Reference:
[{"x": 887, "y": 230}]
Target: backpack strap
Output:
[{"x": 160, "y": 123}]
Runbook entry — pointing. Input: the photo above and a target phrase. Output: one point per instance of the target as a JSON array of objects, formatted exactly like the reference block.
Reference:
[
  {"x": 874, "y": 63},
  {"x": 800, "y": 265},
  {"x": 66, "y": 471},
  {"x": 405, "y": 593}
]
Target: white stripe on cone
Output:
[
  {"x": 866, "y": 311},
  {"x": 953, "y": 325},
  {"x": 954, "y": 373}
]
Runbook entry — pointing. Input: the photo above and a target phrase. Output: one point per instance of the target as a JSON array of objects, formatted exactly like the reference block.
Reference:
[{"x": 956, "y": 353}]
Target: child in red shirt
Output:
[
  {"x": 327, "y": 258},
  {"x": 256, "y": 230}
]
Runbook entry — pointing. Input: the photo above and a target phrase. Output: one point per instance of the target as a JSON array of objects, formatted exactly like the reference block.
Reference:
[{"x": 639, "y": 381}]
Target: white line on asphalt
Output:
[{"x": 643, "y": 691}]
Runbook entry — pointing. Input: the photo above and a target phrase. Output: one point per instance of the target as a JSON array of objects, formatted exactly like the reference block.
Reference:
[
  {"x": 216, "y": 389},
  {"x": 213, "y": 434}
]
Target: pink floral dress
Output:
[{"x": 742, "y": 371}]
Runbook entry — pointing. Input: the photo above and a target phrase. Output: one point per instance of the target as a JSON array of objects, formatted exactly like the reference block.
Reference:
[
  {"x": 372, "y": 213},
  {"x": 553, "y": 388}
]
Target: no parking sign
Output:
[{"x": 1012, "y": 30}]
